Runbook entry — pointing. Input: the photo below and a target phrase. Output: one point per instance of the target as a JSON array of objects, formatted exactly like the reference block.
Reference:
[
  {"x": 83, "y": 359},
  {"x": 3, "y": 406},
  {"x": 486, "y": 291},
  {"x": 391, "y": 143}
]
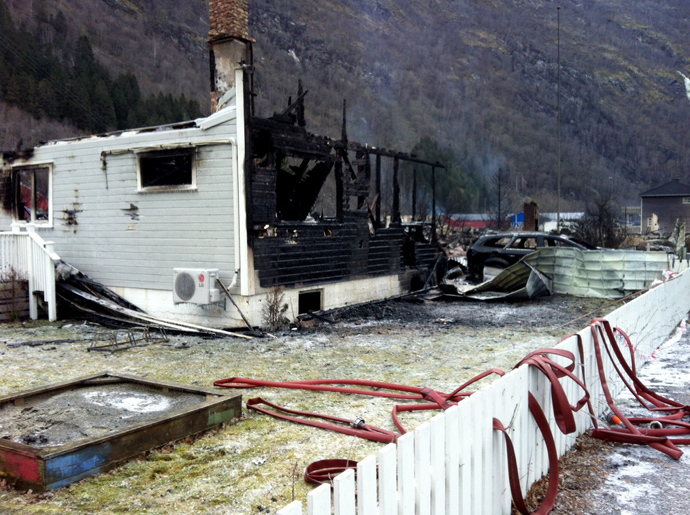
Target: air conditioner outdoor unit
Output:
[{"x": 195, "y": 285}]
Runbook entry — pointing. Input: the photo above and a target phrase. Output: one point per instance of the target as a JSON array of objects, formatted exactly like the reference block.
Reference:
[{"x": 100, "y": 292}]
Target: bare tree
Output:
[
  {"x": 600, "y": 226},
  {"x": 501, "y": 197}
]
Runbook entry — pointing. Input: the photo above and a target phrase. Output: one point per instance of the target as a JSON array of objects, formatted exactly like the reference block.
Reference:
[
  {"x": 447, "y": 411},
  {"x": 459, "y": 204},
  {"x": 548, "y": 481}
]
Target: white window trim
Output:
[
  {"x": 166, "y": 189},
  {"x": 686, "y": 200},
  {"x": 43, "y": 224}
]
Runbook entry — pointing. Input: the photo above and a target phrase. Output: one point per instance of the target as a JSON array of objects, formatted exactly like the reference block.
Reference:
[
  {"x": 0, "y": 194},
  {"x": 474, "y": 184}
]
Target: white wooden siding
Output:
[{"x": 174, "y": 229}]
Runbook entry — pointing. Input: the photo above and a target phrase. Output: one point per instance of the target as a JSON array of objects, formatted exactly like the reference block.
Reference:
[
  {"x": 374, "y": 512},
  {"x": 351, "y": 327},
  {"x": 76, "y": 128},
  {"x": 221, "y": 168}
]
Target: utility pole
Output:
[{"x": 558, "y": 109}]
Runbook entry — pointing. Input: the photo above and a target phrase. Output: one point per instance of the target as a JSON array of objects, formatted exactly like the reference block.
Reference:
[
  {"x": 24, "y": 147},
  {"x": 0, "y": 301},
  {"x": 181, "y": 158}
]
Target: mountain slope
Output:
[
  {"x": 479, "y": 77},
  {"x": 482, "y": 77}
]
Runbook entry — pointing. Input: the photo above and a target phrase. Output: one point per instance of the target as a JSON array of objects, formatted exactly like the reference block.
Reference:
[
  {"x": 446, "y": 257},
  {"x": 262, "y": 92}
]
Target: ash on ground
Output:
[
  {"x": 543, "y": 312},
  {"x": 87, "y": 412}
]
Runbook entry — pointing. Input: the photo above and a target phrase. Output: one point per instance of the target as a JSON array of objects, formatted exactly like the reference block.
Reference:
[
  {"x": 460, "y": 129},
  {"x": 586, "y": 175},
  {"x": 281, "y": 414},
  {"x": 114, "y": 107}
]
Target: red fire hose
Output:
[
  {"x": 357, "y": 427},
  {"x": 605, "y": 336}
]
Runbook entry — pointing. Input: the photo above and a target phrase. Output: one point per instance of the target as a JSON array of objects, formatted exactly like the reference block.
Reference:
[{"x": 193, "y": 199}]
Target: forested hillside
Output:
[
  {"x": 472, "y": 81},
  {"x": 99, "y": 66}
]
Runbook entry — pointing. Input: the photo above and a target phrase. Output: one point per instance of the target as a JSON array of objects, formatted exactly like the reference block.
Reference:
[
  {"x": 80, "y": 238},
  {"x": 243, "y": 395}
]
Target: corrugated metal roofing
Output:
[
  {"x": 599, "y": 273},
  {"x": 604, "y": 273}
]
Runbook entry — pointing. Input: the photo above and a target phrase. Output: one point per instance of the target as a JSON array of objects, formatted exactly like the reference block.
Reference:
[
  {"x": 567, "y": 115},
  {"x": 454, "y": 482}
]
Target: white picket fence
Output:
[
  {"x": 26, "y": 254},
  {"x": 456, "y": 464}
]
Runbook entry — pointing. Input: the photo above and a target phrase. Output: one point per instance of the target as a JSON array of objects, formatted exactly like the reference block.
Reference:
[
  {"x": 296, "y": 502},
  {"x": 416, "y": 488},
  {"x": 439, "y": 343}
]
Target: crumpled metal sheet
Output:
[
  {"x": 603, "y": 273},
  {"x": 521, "y": 281}
]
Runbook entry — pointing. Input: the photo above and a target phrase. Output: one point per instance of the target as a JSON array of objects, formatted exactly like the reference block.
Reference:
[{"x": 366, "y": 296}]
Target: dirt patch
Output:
[{"x": 582, "y": 471}]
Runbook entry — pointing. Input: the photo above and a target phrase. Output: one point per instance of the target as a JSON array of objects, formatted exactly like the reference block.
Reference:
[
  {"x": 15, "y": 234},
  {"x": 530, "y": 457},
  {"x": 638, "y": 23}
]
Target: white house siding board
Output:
[{"x": 82, "y": 148}]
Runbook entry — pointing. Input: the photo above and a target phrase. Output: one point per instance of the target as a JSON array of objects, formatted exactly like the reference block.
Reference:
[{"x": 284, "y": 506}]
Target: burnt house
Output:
[
  {"x": 663, "y": 205},
  {"x": 167, "y": 216}
]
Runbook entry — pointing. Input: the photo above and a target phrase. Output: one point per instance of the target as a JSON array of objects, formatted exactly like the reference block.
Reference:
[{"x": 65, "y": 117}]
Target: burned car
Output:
[{"x": 504, "y": 249}]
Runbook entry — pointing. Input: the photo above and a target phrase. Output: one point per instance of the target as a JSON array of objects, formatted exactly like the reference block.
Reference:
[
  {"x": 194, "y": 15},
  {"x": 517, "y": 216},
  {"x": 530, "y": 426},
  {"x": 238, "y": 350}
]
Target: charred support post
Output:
[
  {"x": 396, "y": 193},
  {"x": 301, "y": 122},
  {"x": 339, "y": 186},
  {"x": 378, "y": 190},
  {"x": 363, "y": 171},
  {"x": 341, "y": 153},
  {"x": 414, "y": 194},
  {"x": 433, "y": 204}
]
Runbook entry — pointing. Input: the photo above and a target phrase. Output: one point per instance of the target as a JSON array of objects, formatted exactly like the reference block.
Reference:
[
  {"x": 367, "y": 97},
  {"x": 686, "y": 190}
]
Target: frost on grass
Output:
[{"x": 259, "y": 461}]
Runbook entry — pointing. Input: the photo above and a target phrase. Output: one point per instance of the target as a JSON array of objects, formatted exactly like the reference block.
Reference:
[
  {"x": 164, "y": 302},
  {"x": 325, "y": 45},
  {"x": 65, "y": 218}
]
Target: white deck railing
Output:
[
  {"x": 456, "y": 463},
  {"x": 25, "y": 254}
]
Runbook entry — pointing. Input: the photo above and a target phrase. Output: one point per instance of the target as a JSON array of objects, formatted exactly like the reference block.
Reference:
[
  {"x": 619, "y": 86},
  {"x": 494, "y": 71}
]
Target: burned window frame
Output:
[
  {"x": 162, "y": 154},
  {"x": 16, "y": 191}
]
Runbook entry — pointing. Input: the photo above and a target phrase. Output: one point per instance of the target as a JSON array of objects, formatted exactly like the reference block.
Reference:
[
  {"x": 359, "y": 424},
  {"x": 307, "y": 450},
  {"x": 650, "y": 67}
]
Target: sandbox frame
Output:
[{"x": 49, "y": 468}]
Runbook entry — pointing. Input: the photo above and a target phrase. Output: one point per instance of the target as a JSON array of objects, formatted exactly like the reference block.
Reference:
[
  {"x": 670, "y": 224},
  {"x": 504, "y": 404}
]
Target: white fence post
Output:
[
  {"x": 388, "y": 502},
  {"x": 407, "y": 489},
  {"x": 294, "y": 508},
  {"x": 33, "y": 303},
  {"x": 366, "y": 485},
  {"x": 438, "y": 464},
  {"x": 344, "y": 493},
  {"x": 452, "y": 422},
  {"x": 319, "y": 501},
  {"x": 422, "y": 468}
]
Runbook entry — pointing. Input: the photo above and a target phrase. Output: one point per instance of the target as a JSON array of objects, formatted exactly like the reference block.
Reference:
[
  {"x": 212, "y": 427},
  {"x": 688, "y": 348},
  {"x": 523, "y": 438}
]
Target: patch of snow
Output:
[
  {"x": 292, "y": 54},
  {"x": 129, "y": 402}
]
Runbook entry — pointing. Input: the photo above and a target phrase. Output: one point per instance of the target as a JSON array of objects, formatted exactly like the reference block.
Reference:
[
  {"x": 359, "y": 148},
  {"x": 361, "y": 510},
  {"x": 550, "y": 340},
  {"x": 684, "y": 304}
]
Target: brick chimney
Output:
[
  {"x": 230, "y": 45},
  {"x": 229, "y": 18}
]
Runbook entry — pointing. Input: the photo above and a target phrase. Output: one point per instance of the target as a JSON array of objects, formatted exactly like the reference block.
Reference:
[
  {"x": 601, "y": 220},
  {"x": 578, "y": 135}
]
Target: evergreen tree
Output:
[
  {"x": 84, "y": 59},
  {"x": 457, "y": 189},
  {"x": 79, "y": 104},
  {"x": 103, "y": 112},
  {"x": 126, "y": 97},
  {"x": 75, "y": 86}
]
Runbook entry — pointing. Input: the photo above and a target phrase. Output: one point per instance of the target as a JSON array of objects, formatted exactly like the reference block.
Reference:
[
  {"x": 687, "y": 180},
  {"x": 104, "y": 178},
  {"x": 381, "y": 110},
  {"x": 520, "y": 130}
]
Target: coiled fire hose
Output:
[{"x": 605, "y": 339}]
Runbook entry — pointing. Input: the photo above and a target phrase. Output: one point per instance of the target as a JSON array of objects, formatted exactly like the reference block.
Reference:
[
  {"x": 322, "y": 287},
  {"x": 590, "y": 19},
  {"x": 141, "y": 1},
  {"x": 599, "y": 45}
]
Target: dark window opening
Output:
[
  {"x": 309, "y": 301},
  {"x": 167, "y": 169},
  {"x": 32, "y": 190},
  {"x": 553, "y": 242},
  {"x": 299, "y": 182}
]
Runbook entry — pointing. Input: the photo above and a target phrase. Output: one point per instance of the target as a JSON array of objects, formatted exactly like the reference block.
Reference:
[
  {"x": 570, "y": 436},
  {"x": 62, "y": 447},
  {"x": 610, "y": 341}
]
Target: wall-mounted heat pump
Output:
[{"x": 195, "y": 286}]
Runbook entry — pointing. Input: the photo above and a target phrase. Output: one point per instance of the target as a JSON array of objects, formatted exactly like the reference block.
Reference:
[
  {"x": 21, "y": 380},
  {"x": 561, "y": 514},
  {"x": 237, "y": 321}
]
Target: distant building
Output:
[
  {"x": 663, "y": 205},
  {"x": 460, "y": 221},
  {"x": 480, "y": 221},
  {"x": 549, "y": 221}
]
